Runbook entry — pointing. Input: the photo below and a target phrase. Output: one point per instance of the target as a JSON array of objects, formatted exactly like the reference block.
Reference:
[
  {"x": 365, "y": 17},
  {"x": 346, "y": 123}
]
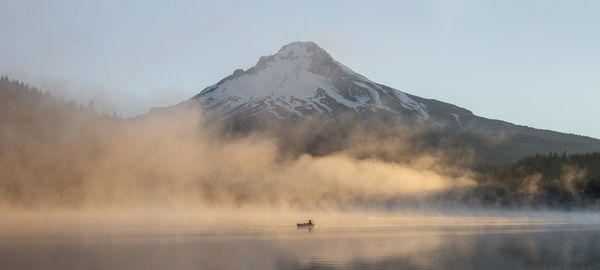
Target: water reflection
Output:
[
  {"x": 397, "y": 243},
  {"x": 308, "y": 229}
]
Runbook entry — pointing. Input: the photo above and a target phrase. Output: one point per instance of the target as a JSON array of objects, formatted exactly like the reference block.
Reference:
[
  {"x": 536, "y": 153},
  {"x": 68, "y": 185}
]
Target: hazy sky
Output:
[{"x": 535, "y": 63}]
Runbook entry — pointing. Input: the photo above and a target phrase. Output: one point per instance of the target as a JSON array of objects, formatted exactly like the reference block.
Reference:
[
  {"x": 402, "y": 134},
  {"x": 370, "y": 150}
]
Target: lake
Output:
[{"x": 270, "y": 240}]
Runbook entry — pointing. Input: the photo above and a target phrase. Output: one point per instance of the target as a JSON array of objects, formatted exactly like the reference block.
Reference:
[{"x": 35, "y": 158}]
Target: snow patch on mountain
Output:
[{"x": 457, "y": 119}]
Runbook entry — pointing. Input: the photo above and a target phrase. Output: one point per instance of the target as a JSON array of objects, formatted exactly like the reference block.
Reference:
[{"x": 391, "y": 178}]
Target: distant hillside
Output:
[{"x": 26, "y": 107}]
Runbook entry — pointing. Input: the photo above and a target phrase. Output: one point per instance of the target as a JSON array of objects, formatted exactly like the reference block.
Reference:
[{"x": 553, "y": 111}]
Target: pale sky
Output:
[{"x": 535, "y": 63}]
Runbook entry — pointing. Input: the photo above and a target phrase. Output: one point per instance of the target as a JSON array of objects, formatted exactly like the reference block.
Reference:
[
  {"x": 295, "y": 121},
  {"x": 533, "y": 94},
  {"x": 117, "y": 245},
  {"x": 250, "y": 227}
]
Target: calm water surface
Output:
[{"x": 546, "y": 241}]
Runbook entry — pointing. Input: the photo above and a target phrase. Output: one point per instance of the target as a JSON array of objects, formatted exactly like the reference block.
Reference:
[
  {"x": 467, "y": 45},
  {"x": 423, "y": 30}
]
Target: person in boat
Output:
[{"x": 309, "y": 223}]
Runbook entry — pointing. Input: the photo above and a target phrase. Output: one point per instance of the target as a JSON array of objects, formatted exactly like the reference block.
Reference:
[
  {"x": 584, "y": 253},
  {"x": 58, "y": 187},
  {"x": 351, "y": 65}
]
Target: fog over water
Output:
[
  {"x": 259, "y": 239},
  {"x": 171, "y": 190}
]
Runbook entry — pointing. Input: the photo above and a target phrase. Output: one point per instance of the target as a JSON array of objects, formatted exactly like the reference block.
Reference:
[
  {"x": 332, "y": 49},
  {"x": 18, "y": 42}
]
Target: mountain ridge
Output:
[{"x": 304, "y": 82}]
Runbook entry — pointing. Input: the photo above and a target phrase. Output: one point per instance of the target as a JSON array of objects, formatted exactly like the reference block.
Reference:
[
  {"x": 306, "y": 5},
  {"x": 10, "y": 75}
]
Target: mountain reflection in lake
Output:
[{"x": 556, "y": 241}]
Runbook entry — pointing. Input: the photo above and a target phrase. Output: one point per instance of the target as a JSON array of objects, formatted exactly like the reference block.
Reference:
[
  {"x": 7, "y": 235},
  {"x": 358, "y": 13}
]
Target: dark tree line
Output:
[
  {"x": 21, "y": 98},
  {"x": 544, "y": 180}
]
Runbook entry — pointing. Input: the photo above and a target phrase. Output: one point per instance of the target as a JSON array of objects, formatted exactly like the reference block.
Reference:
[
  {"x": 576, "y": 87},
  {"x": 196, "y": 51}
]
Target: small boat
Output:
[{"x": 309, "y": 224}]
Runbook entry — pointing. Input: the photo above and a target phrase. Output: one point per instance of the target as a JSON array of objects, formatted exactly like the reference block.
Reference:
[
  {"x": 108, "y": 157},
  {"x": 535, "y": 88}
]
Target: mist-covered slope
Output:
[
  {"x": 59, "y": 156},
  {"x": 56, "y": 155},
  {"x": 303, "y": 83}
]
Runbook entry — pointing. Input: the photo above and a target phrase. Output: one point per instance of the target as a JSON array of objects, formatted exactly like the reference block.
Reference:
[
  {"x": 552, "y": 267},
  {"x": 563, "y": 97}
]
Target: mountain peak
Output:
[
  {"x": 298, "y": 56},
  {"x": 303, "y": 49},
  {"x": 303, "y": 80},
  {"x": 298, "y": 45}
]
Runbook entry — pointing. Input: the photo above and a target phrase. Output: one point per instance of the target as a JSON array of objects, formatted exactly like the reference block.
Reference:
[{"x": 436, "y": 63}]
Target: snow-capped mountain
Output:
[{"x": 302, "y": 82}]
